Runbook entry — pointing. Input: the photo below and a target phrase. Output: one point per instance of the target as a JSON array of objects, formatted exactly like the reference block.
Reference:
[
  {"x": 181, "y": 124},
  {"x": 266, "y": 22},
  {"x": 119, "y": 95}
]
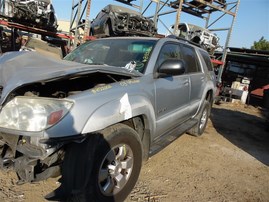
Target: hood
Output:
[{"x": 20, "y": 68}]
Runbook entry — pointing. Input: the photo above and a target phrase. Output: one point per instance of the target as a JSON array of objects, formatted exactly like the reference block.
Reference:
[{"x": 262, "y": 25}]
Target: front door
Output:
[{"x": 172, "y": 93}]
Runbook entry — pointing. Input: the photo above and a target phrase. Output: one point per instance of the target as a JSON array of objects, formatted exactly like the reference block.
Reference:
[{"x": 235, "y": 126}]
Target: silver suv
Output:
[{"x": 95, "y": 116}]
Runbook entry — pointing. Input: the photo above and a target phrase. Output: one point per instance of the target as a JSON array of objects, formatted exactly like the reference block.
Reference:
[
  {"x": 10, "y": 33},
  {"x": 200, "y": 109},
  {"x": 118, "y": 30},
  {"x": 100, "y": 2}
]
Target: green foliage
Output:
[{"x": 262, "y": 44}]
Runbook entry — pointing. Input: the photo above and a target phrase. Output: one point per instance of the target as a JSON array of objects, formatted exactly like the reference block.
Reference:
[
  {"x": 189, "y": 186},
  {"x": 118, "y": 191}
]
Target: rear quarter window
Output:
[{"x": 207, "y": 60}]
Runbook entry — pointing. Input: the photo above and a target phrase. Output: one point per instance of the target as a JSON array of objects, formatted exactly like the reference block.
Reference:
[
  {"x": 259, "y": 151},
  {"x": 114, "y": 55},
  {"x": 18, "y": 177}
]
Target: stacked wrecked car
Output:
[{"x": 36, "y": 13}]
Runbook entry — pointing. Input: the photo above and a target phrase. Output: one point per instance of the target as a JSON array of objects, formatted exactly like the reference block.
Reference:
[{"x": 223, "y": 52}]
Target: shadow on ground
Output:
[{"x": 248, "y": 132}]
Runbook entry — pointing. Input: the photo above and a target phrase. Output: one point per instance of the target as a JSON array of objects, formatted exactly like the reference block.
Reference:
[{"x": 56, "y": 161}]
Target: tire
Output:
[
  {"x": 104, "y": 167},
  {"x": 108, "y": 29},
  {"x": 199, "y": 128},
  {"x": 126, "y": 149}
]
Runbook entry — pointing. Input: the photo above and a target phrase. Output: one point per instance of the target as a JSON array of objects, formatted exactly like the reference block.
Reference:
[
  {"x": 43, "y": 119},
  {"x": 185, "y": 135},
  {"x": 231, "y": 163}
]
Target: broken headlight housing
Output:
[{"x": 33, "y": 114}]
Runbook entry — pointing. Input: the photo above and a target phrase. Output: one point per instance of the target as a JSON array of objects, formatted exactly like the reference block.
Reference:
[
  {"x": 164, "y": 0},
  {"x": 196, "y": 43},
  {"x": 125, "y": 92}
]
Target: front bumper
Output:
[{"x": 32, "y": 162}]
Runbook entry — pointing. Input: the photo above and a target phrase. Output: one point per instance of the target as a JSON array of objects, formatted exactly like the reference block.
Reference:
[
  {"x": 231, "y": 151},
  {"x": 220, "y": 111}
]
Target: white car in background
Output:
[{"x": 208, "y": 40}]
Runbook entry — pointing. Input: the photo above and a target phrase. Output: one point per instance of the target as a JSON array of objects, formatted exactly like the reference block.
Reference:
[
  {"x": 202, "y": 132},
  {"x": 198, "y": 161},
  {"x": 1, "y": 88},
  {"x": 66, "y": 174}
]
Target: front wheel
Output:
[
  {"x": 105, "y": 167},
  {"x": 117, "y": 168}
]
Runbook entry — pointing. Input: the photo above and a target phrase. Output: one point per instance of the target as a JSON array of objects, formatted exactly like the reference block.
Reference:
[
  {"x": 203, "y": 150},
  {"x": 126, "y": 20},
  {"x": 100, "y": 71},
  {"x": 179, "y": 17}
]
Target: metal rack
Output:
[
  {"x": 79, "y": 20},
  {"x": 34, "y": 30},
  {"x": 7, "y": 24},
  {"x": 14, "y": 27}
]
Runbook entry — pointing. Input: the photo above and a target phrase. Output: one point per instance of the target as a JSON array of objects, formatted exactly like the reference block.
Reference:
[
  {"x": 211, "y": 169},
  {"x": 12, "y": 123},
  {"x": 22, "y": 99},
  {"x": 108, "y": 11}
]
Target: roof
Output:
[
  {"x": 247, "y": 56},
  {"x": 249, "y": 51}
]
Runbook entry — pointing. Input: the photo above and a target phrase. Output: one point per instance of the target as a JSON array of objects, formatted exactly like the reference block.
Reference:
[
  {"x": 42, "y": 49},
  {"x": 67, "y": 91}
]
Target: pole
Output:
[
  {"x": 225, "y": 51},
  {"x": 178, "y": 16},
  {"x": 87, "y": 25}
]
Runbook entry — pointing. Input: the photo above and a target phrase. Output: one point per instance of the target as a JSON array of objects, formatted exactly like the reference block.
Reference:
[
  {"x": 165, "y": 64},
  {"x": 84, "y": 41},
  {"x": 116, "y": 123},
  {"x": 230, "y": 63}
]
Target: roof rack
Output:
[{"x": 183, "y": 39}]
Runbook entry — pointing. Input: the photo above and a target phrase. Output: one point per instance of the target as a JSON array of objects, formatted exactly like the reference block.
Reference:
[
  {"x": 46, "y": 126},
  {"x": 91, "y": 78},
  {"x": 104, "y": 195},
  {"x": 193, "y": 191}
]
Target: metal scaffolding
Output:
[{"x": 79, "y": 21}]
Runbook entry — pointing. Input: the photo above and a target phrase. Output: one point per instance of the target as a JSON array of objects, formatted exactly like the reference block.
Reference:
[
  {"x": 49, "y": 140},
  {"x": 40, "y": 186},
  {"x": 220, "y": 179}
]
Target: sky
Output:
[{"x": 251, "y": 23}]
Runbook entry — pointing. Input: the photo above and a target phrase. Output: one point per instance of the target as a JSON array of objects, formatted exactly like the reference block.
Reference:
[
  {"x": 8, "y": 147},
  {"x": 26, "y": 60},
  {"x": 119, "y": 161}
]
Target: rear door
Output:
[{"x": 197, "y": 77}]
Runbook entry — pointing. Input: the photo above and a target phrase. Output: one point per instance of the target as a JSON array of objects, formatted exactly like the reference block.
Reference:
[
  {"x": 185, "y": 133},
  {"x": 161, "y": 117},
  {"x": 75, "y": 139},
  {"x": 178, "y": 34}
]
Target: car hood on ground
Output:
[{"x": 20, "y": 68}]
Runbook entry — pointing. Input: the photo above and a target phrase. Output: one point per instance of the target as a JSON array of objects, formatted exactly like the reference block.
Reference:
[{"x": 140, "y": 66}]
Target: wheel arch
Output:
[
  {"x": 142, "y": 119},
  {"x": 141, "y": 125},
  {"x": 209, "y": 96}
]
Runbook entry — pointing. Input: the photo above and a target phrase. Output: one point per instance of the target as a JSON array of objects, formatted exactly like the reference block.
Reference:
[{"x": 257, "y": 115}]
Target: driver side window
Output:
[{"x": 169, "y": 51}]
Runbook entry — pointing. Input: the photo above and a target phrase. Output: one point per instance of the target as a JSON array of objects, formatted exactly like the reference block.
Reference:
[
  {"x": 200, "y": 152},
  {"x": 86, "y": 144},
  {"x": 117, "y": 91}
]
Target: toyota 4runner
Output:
[{"x": 93, "y": 117}]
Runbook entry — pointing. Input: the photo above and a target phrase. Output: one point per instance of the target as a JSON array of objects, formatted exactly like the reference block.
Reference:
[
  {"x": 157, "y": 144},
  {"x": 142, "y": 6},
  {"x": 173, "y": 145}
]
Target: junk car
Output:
[
  {"x": 118, "y": 21},
  {"x": 36, "y": 13},
  {"x": 208, "y": 40},
  {"x": 96, "y": 115}
]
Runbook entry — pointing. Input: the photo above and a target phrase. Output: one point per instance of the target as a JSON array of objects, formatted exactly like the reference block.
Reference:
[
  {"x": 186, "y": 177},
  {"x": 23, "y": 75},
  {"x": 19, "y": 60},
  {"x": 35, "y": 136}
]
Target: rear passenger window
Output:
[
  {"x": 169, "y": 51},
  {"x": 207, "y": 60},
  {"x": 190, "y": 59}
]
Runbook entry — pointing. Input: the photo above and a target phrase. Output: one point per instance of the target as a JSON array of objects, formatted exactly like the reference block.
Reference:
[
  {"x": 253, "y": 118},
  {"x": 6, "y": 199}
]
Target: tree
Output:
[{"x": 262, "y": 44}]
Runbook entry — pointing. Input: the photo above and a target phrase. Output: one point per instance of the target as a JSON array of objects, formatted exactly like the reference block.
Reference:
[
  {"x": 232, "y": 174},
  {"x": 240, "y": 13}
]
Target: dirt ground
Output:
[{"x": 230, "y": 162}]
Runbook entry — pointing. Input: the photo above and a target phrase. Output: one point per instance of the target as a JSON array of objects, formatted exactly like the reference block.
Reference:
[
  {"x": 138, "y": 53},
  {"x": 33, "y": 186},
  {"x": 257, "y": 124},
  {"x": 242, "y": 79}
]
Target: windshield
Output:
[{"x": 131, "y": 54}]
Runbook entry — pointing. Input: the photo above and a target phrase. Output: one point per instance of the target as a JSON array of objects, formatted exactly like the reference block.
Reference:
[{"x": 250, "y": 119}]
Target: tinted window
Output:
[
  {"x": 169, "y": 51},
  {"x": 190, "y": 59},
  {"x": 207, "y": 60}
]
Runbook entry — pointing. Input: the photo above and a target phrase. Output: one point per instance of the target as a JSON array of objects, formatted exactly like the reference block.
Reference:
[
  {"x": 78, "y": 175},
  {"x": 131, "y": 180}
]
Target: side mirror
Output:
[{"x": 172, "y": 67}]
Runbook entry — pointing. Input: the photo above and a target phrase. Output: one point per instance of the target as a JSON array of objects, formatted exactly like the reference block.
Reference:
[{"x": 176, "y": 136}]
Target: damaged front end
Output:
[
  {"x": 36, "y": 13},
  {"x": 131, "y": 24},
  {"x": 46, "y": 104},
  {"x": 31, "y": 160},
  {"x": 30, "y": 110},
  {"x": 208, "y": 40},
  {"x": 23, "y": 120}
]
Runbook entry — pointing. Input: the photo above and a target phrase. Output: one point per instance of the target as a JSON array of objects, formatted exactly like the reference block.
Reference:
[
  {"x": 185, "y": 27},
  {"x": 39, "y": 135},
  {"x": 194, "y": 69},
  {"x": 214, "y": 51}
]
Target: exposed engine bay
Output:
[{"x": 65, "y": 87}]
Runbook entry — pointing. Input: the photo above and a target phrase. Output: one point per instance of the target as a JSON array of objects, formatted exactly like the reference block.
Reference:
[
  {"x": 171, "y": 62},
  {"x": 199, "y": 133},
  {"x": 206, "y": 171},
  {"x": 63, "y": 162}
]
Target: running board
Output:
[{"x": 169, "y": 137}]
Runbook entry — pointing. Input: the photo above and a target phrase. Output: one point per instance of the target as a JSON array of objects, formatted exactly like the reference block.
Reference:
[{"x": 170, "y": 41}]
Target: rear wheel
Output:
[
  {"x": 199, "y": 128},
  {"x": 105, "y": 167}
]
